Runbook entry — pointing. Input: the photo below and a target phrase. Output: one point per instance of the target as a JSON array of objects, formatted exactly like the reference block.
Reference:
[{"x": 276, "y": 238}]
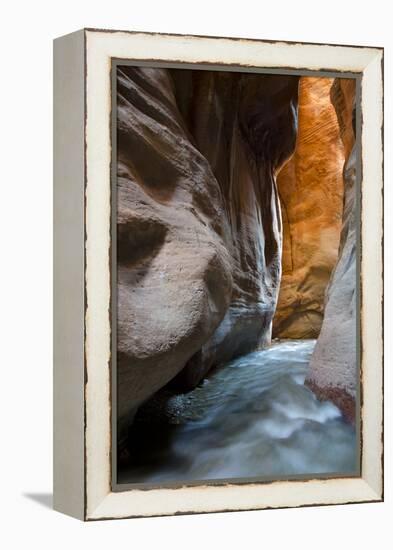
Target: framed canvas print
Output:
[{"x": 218, "y": 274}]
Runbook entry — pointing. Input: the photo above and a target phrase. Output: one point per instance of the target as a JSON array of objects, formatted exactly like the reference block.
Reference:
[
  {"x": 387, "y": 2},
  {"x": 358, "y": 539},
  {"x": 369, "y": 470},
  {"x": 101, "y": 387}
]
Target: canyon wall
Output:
[
  {"x": 311, "y": 191},
  {"x": 333, "y": 367},
  {"x": 199, "y": 224}
]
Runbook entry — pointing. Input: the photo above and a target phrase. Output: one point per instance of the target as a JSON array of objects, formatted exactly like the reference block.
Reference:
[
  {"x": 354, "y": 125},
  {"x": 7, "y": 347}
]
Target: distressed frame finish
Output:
[{"x": 82, "y": 373}]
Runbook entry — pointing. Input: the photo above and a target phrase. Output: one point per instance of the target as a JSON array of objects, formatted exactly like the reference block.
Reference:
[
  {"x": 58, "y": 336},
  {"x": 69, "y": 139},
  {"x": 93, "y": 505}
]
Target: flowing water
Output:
[{"x": 253, "y": 417}]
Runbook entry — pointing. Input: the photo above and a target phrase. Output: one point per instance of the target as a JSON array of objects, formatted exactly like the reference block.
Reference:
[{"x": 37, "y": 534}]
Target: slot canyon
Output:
[{"x": 236, "y": 274}]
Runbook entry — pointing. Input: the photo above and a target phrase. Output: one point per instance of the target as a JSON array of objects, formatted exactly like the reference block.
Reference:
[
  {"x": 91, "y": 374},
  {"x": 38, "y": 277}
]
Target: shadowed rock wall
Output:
[
  {"x": 311, "y": 192},
  {"x": 333, "y": 373},
  {"x": 199, "y": 224}
]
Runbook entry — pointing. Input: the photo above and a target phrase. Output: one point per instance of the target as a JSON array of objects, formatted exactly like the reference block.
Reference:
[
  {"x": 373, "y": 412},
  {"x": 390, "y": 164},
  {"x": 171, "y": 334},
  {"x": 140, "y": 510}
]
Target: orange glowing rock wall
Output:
[{"x": 311, "y": 192}]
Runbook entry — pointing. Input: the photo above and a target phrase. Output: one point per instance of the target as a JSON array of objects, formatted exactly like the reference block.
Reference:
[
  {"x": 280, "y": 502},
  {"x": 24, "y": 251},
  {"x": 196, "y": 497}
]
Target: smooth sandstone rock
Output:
[
  {"x": 311, "y": 192},
  {"x": 333, "y": 367},
  {"x": 199, "y": 225},
  {"x": 245, "y": 126},
  {"x": 174, "y": 272}
]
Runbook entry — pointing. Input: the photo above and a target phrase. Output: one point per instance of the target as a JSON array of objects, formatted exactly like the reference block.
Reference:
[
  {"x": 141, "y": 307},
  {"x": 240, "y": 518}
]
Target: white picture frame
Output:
[{"x": 82, "y": 252}]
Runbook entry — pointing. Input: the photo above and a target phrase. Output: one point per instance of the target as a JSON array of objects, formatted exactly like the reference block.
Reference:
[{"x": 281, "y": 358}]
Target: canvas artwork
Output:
[
  {"x": 218, "y": 274},
  {"x": 236, "y": 275}
]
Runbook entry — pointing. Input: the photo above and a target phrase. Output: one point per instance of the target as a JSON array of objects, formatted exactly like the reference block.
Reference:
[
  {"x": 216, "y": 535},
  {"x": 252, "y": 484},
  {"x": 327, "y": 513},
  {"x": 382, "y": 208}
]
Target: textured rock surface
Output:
[
  {"x": 333, "y": 370},
  {"x": 245, "y": 126},
  {"x": 199, "y": 226},
  {"x": 311, "y": 192}
]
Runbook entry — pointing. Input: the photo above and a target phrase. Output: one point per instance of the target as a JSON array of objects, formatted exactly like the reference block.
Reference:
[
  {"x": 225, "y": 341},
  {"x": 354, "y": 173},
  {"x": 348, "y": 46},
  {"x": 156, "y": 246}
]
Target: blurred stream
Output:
[{"x": 252, "y": 417}]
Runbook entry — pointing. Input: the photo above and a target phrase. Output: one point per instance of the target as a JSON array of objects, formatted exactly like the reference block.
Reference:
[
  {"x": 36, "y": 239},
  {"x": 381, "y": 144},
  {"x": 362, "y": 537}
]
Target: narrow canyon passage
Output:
[
  {"x": 253, "y": 417},
  {"x": 235, "y": 225}
]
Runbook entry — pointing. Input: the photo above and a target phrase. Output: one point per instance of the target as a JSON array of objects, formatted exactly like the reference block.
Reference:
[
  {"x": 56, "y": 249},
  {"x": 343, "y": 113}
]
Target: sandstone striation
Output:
[
  {"x": 199, "y": 224},
  {"x": 311, "y": 192},
  {"x": 333, "y": 367}
]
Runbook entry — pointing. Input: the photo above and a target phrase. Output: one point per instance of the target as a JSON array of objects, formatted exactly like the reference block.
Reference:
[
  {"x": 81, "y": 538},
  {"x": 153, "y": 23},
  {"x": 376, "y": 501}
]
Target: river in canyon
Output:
[{"x": 252, "y": 417}]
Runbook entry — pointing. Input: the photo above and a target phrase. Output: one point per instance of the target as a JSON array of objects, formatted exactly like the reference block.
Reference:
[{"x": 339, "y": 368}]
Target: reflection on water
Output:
[{"x": 251, "y": 418}]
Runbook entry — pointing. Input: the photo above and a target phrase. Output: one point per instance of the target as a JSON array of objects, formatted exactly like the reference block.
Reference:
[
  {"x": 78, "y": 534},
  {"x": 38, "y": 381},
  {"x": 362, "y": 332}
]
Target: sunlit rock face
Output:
[
  {"x": 311, "y": 192},
  {"x": 333, "y": 371},
  {"x": 199, "y": 225}
]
